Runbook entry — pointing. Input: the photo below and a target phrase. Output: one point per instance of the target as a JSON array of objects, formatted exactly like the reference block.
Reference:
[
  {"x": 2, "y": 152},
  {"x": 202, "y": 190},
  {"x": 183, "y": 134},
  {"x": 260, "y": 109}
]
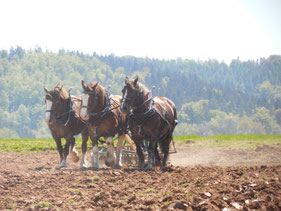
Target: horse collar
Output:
[
  {"x": 149, "y": 100},
  {"x": 100, "y": 115}
]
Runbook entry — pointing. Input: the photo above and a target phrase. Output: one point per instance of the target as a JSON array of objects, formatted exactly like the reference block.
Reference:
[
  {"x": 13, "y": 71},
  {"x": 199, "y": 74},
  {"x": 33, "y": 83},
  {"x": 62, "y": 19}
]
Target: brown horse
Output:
[
  {"x": 62, "y": 117},
  {"x": 102, "y": 111},
  {"x": 152, "y": 119}
]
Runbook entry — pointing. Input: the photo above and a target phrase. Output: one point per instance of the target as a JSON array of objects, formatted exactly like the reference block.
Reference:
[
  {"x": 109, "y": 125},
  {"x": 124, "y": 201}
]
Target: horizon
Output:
[{"x": 138, "y": 57}]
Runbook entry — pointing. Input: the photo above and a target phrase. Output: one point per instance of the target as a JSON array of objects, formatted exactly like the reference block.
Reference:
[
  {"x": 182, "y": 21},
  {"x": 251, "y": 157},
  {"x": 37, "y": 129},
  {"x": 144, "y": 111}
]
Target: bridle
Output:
[
  {"x": 58, "y": 100},
  {"x": 137, "y": 95},
  {"x": 95, "y": 98},
  {"x": 129, "y": 99},
  {"x": 69, "y": 108}
]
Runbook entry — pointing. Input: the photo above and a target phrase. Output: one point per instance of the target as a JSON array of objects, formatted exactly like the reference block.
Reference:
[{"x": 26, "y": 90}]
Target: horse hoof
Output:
[
  {"x": 142, "y": 167},
  {"x": 166, "y": 169},
  {"x": 94, "y": 168},
  {"x": 148, "y": 168},
  {"x": 61, "y": 167},
  {"x": 109, "y": 163},
  {"x": 117, "y": 166},
  {"x": 83, "y": 168},
  {"x": 158, "y": 163}
]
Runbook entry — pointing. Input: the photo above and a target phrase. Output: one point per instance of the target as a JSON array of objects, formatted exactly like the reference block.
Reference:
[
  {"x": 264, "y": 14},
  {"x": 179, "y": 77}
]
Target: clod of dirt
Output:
[
  {"x": 189, "y": 142},
  {"x": 178, "y": 205}
]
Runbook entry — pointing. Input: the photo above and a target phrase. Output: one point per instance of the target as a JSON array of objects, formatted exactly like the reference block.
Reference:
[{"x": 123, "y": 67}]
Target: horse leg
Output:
[
  {"x": 59, "y": 148},
  {"x": 83, "y": 163},
  {"x": 157, "y": 156},
  {"x": 68, "y": 141},
  {"x": 109, "y": 159},
  {"x": 140, "y": 155},
  {"x": 118, "y": 162},
  {"x": 151, "y": 154},
  {"x": 166, "y": 148},
  {"x": 95, "y": 154}
]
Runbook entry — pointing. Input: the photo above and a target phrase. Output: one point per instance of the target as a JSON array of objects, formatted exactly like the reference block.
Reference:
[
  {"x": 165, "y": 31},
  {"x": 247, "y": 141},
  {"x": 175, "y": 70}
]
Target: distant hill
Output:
[{"x": 211, "y": 97}]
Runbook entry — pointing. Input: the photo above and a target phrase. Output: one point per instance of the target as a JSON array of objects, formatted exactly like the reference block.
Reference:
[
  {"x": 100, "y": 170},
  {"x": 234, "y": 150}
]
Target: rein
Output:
[
  {"x": 67, "y": 114},
  {"x": 140, "y": 117},
  {"x": 100, "y": 115},
  {"x": 148, "y": 100}
]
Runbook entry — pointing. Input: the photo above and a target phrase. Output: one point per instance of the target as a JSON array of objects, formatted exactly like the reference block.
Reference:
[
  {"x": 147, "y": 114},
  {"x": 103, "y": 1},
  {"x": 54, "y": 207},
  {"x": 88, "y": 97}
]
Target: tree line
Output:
[{"x": 243, "y": 97}]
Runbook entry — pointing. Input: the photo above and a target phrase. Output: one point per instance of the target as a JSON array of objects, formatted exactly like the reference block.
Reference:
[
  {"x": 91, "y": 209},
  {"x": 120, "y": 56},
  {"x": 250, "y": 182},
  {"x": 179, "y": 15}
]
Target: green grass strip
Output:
[
  {"x": 227, "y": 141},
  {"x": 230, "y": 141}
]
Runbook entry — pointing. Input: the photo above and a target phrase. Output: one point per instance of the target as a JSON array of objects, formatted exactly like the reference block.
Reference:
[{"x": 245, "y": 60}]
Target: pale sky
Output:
[{"x": 198, "y": 29}]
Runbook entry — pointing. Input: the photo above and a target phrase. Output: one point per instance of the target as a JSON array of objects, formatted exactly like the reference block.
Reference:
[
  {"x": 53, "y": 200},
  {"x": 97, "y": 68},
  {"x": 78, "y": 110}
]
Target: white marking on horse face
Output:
[
  {"x": 48, "y": 113},
  {"x": 125, "y": 95},
  {"x": 85, "y": 98}
]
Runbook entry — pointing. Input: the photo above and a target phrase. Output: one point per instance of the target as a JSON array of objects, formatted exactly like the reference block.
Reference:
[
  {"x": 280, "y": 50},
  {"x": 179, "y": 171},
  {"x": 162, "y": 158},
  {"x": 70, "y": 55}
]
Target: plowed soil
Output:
[{"x": 197, "y": 179}]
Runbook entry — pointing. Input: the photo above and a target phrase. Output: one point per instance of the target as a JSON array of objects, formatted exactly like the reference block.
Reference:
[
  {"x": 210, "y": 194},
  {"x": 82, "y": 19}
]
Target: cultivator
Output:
[{"x": 129, "y": 155}]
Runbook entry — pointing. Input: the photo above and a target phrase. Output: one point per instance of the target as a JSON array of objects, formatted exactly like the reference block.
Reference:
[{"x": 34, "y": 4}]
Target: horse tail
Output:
[{"x": 175, "y": 116}]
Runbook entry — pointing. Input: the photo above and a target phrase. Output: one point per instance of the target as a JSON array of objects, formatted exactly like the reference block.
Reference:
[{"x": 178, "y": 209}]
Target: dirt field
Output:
[{"x": 198, "y": 179}]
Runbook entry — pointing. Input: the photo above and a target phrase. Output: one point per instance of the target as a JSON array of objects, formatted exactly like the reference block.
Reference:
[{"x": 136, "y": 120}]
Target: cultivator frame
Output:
[{"x": 129, "y": 156}]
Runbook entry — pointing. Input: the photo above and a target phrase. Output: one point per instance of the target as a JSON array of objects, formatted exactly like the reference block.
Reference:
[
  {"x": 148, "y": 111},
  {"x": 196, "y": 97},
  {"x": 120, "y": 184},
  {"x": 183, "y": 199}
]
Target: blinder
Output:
[{"x": 136, "y": 95}]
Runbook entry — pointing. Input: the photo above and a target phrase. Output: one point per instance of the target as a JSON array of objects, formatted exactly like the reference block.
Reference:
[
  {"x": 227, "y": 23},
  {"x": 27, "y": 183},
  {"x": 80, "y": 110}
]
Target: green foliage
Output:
[
  {"x": 8, "y": 133},
  {"x": 211, "y": 97},
  {"x": 27, "y": 145}
]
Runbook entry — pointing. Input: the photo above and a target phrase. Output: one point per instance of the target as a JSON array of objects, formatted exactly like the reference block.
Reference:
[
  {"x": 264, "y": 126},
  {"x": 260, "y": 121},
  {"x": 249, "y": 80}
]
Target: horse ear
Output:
[
  {"x": 95, "y": 86},
  {"x": 126, "y": 80},
  {"x": 147, "y": 95},
  {"x": 136, "y": 80},
  {"x": 46, "y": 90},
  {"x": 83, "y": 84}
]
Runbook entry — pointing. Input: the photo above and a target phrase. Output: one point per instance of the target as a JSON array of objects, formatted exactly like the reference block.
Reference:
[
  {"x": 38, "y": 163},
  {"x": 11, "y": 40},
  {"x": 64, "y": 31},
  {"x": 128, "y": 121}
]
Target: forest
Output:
[{"x": 212, "y": 97}]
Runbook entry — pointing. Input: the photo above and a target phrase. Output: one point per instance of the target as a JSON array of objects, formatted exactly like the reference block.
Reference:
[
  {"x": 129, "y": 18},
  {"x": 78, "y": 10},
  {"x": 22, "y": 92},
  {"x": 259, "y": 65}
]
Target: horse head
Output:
[
  {"x": 55, "y": 100},
  {"x": 92, "y": 98},
  {"x": 134, "y": 94}
]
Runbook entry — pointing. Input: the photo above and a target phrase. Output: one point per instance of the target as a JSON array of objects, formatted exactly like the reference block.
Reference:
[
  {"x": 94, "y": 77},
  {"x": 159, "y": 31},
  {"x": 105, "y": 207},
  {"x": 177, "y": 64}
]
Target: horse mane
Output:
[
  {"x": 143, "y": 89},
  {"x": 63, "y": 94}
]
